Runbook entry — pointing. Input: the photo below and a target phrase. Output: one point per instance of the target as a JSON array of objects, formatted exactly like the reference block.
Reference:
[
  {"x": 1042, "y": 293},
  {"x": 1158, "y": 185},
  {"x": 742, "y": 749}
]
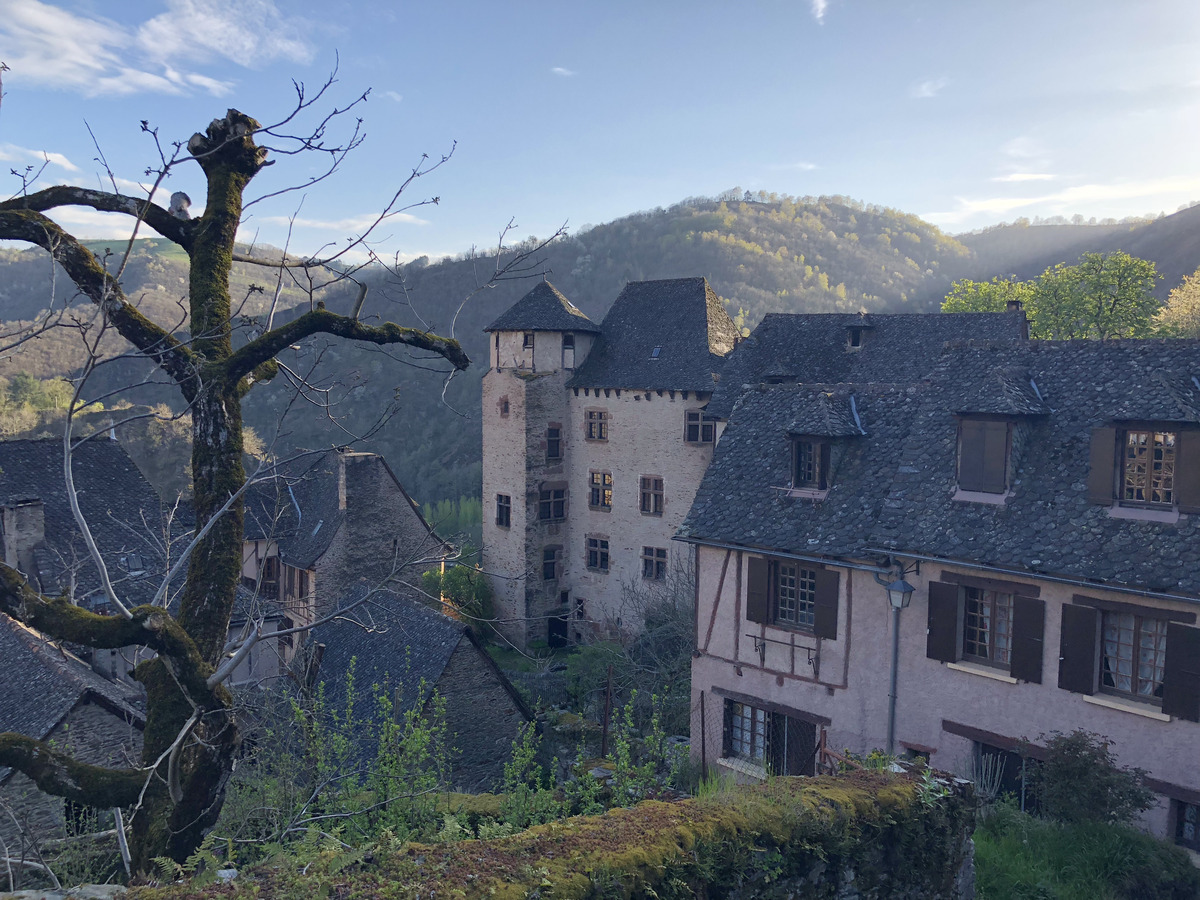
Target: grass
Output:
[
  {"x": 1018, "y": 857},
  {"x": 535, "y": 661}
]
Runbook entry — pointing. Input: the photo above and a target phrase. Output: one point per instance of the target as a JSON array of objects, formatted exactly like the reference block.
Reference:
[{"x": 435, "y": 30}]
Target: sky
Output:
[{"x": 578, "y": 112}]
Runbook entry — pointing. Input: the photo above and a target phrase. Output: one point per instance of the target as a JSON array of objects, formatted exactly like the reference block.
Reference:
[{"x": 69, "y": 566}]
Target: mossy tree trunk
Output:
[{"x": 190, "y": 738}]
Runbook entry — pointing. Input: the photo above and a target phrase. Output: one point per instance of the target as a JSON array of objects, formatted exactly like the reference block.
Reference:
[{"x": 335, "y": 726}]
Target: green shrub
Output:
[{"x": 1079, "y": 781}]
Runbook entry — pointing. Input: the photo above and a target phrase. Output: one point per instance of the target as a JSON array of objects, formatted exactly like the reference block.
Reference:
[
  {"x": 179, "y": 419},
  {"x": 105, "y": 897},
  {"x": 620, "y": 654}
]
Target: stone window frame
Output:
[
  {"x": 654, "y": 563},
  {"x": 503, "y": 510},
  {"x": 652, "y": 498},
  {"x": 596, "y": 424},
  {"x": 698, "y": 427},
  {"x": 598, "y": 558},
  {"x": 554, "y": 438},
  {"x": 600, "y": 490}
]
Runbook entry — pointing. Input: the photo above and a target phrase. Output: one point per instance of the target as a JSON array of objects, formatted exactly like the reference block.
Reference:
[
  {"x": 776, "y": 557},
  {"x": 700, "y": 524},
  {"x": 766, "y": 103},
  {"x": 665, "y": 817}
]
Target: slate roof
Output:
[
  {"x": 682, "y": 317},
  {"x": 393, "y": 640},
  {"x": 812, "y": 347},
  {"x": 543, "y": 309},
  {"x": 122, "y": 510},
  {"x": 52, "y": 682},
  {"x": 892, "y": 489},
  {"x": 298, "y": 509},
  {"x": 743, "y": 498}
]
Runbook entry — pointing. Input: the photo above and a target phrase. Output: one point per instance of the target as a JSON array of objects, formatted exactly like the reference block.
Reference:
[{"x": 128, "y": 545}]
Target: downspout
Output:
[{"x": 893, "y": 675}]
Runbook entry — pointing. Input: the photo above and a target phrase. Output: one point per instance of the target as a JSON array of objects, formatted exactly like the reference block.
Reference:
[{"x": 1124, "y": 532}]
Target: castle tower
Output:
[{"x": 534, "y": 350}]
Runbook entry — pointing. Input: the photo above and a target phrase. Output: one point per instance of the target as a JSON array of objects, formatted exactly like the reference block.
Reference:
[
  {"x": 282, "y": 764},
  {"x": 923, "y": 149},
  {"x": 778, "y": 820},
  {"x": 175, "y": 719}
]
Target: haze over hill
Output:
[{"x": 762, "y": 254}]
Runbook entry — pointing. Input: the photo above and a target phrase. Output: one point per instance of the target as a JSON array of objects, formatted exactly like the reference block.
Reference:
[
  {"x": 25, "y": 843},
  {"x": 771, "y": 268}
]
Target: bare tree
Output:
[{"x": 190, "y": 738}]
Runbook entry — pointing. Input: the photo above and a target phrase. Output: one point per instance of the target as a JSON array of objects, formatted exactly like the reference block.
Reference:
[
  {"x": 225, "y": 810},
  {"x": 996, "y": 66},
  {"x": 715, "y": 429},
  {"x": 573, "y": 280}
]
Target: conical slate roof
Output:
[{"x": 543, "y": 309}]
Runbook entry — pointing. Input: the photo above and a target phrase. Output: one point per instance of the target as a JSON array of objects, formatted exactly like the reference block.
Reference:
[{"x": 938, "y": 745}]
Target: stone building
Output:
[
  {"x": 1041, "y": 500},
  {"x": 595, "y": 438}
]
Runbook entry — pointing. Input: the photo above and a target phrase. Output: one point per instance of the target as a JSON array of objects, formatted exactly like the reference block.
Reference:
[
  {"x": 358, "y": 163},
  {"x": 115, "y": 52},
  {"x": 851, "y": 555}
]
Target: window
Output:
[
  {"x": 982, "y": 620},
  {"x": 651, "y": 495},
  {"x": 987, "y": 626},
  {"x": 597, "y": 425},
  {"x": 553, "y": 443},
  {"x": 1148, "y": 468},
  {"x": 597, "y": 554},
  {"x": 795, "y": 594},
  {"x": 787, "y": 593},
  {"x": 527, "y": 341},
  {"x": 1145, "y": 466},
  {"x": 504, "y": 510},
  {"x": 854, "y": 336},
  {"x": 654, "y": 563},
  {"x": 747, "y": 732},
  {"x": 550, "y": 563},
  {"x": 1139, "y": 653},
  {"x": 285, "y": 640},
  {"x": 656, "y": 352},
  {"x": 568, "y": 351},
  {"x": 810, "y": 464},
  {"x": 699, "y": 428},
  {"x": 1187, "y": 825},
  {"x": 781, "y": 744},
  {"x": 600, "y": 486},
  {"x": 1133, "y": 654},
  {"x": 983, "y": 454},
  {"x": 503, "y": 407},
  {"x": 552, "y": 504},
  {"x": 568, "y": 342}
]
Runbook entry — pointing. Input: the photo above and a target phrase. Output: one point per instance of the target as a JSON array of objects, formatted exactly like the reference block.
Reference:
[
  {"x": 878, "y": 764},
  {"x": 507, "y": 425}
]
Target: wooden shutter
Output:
[
  {"x": 1102, "y": 461},
  {"x": 777, "y": 744},
  {"x": 823, "y": 449},
  {"x": 757, "y": 598},
  {"x": 983, "y": 456},
  {"x": 1187, "y": 472},
  {"x": 1029, "y": 620},
  {"x": 1181, "y": 674},
  {"x": 801, "y": 747},
  {"x": 945, "y": 628},
  {"x": 825, "y": 608},
  {"x": 1079, "y": 649}
]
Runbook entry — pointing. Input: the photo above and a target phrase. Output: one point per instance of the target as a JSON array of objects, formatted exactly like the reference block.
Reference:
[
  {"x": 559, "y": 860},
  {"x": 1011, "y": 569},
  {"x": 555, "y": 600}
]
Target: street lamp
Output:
[{"x": 900, "y": 594}]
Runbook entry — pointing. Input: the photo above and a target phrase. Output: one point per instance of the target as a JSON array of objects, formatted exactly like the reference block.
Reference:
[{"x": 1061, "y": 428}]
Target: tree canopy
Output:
[
  {"x": 1180, "y": 317},
  {"x": 1104, "y": 296}
]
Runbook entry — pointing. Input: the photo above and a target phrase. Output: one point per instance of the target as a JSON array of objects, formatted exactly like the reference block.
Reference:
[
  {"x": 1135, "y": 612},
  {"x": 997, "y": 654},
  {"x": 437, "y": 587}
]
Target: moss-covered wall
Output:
[{"x": 854, "y": 836}]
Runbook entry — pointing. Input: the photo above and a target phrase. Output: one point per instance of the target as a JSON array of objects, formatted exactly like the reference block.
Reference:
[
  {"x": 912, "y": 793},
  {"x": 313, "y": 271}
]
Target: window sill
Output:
[
  {"x": 743, "y": 767},
  {"x": 984, "y": 671},
  {"x": 603, "y": 509},
  {"x": 1144, "y": 514},
  {"x": 981, "y": 497},
  {"x": 794, "y": 493},
  {"x": 1130, "y": 706}
]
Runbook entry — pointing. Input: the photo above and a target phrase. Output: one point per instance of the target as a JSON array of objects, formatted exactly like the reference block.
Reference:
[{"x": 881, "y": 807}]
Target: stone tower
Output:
[{"x": 534, "y": 350}]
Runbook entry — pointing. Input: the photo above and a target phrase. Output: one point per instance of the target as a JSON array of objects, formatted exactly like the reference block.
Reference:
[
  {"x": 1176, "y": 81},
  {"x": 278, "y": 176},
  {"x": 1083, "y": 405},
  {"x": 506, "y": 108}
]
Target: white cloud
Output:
[
  {"x": 45, "y": 45},
  {"x": 15, "y": 154},
  {"x": 393, "y": 95},
  {"x": 818, "y": 10},
  {"x": 930, "y": 87},
  {"x": 565, "y": 73},
  {"x": 1072, "y": 199},
  {"x": 1025, "y": 176}
]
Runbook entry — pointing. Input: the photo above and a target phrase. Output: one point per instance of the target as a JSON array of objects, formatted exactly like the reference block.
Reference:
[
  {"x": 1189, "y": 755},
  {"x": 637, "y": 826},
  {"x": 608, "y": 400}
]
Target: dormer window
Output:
[
  {"x": 854, "y": 337},
  {"x": 1149, "y": 467},
  {"x": 810, "y": 463},
  {"x": 654, "y": 354},
  {"x": 984, "y": 447}
]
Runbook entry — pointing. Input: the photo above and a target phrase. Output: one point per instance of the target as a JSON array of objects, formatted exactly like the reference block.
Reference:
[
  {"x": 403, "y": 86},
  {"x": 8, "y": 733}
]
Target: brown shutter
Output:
[
  {"x": 1078, "y": 649},
  {"x": 824, "y": 449},
  {"x": 825, "y": 607},
  {"x": 757, "y": 609},
  {"x": 1181, "y": 674},
  {"x": 1029, "y": 619},
  {"x": 1187, "y": 472},
  {"x": 1101, "y": 465},
  {"x": 945, "y": 631},
  {"x": 801, "y": 747},
  {"x": 983, "y": 456}
]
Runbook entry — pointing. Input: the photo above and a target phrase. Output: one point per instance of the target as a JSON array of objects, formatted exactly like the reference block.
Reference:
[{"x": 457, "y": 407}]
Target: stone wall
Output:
[{"x": 482, "y": 717}]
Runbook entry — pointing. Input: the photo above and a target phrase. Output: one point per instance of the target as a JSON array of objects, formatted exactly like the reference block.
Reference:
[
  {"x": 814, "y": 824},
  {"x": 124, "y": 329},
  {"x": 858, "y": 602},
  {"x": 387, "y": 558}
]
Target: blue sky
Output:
[{"x": 966, "y": 113}]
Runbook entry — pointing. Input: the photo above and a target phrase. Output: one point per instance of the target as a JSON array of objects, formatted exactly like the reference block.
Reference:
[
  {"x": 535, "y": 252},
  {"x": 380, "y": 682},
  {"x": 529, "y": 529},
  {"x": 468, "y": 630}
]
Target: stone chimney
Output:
[
  {"x": 1018, "y": 307},
  {"x": 23, "y": 525}
]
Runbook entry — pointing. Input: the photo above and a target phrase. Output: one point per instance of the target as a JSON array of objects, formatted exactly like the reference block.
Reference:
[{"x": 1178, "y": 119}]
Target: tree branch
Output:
[
  {"x": 91, "y": 278},
  {"x": 173, "y": 229},
  {"x": 57, "y": 773},
  {"x": 263, "y": 350}
]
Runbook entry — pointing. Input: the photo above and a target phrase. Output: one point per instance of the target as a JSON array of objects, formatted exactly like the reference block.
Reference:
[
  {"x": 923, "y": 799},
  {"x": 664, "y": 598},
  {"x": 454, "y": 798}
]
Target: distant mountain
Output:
[{"x": 761, "y": 254}]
